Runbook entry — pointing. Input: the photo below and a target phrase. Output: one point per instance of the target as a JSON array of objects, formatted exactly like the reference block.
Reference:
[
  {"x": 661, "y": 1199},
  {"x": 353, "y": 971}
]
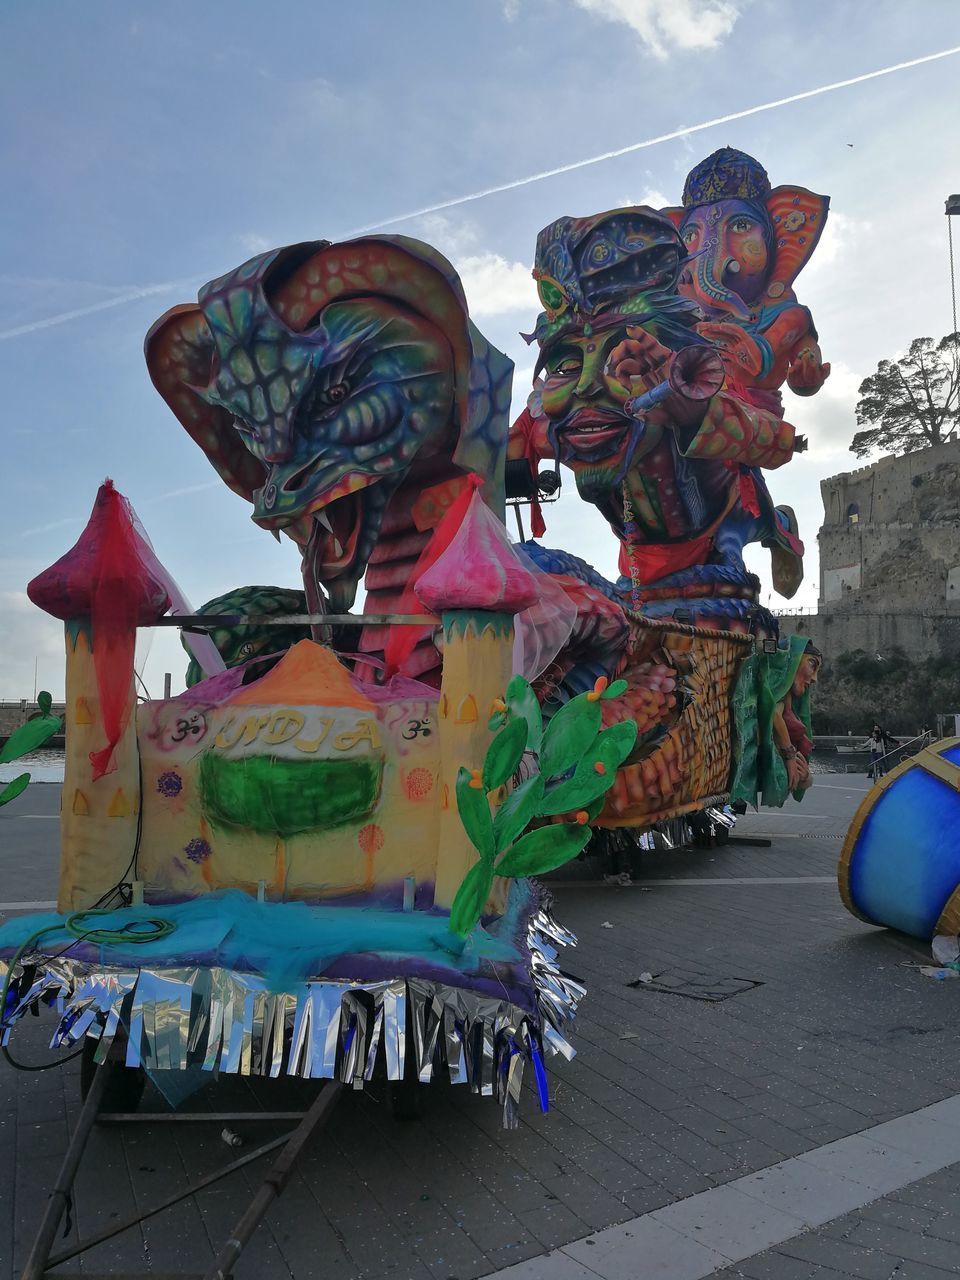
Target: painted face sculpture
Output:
[
  {"x": 320, "y": 379},
  {"x": 807, "y": 674},
  {"x": 603, "y": 281},
  {"x": 634, "y": 401}
]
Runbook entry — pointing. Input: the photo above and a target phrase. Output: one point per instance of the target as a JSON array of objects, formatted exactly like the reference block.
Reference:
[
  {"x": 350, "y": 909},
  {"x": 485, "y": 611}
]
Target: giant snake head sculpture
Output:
[{"x": 318, "y": 377}]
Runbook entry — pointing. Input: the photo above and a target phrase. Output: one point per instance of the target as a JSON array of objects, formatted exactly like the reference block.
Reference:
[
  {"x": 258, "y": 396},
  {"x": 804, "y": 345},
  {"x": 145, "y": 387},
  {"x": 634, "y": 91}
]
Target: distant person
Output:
[{"x": 879, "y": 744}]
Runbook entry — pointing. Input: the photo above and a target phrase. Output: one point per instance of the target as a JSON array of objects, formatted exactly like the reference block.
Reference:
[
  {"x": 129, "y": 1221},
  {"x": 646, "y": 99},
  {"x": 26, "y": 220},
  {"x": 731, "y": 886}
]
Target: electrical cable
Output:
[
  {"x": 131, "y": 934},
  {"x": 117, "y": 889}
]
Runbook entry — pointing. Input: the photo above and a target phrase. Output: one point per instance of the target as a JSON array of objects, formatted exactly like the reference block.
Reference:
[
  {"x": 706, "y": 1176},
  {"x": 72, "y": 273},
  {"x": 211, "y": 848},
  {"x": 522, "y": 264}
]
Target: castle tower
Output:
[
  {"x": 103, "y": 588},
  {"x": 477, "y": 586}
]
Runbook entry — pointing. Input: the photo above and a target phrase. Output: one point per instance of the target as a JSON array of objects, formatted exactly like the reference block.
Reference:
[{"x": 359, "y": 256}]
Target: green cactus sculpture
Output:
[
  {"x": 25, "y": 739},
  {"x": 570, "y": 766}
]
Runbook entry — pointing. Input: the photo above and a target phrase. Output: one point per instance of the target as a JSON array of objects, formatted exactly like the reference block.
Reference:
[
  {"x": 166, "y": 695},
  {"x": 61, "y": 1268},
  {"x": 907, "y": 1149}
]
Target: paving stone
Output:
[
  {"x": 775, "y": 1137},
  {"x": 778, "y": 1266},
  {"x": 908, "y": 1270},
  {"x": 549, "y": 1266},
  {"x": 849, "y": 1259},
  {"x": 812, "y": 1194},
  {"x": 729, "y": 1222},
  {"x": 554, "y": 1224},
  {"x": 945, "y": 1227},
  {"x": 488, "y": 1223},
  {"x": 864, "y": 1160},
  {"x": 894, "y": 1213},
  {"x": 508, "y": 1255},
  {"x": 622, "y": 1252},
  {"x": 904, "y": 1244}
]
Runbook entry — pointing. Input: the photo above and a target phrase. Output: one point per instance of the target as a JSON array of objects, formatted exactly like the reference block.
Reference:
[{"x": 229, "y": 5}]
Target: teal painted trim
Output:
[
  {"x": 456, "y": 622},
  {"x": 75, "y": 626}
]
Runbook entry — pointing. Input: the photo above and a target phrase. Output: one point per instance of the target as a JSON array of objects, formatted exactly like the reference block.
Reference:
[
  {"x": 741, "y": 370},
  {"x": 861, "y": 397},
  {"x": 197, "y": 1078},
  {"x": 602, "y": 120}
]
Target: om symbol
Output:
[
  {"x": 416, "y": 729},
  {"x": 192, "y": 726}
]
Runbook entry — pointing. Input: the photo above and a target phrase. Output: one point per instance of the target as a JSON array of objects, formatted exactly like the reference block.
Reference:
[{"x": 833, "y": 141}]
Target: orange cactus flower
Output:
[
  {"x": 599, "y": 767},
  {"x": 476, "y": 779},
  {"x": 581, "y": 817},
  {"x": 498, "y": 704},
  {"x": 598, "y": 689}
]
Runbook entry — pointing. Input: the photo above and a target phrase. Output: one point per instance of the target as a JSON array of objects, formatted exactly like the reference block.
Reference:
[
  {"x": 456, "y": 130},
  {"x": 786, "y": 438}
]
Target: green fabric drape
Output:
[{"x": 765, "y": 680}]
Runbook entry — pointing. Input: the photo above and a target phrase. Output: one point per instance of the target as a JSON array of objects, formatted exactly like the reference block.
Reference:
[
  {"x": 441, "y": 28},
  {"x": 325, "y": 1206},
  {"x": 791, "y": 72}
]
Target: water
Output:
[
  {"x": 43, "y": 765},
  {"x": 832, "y": 762}
]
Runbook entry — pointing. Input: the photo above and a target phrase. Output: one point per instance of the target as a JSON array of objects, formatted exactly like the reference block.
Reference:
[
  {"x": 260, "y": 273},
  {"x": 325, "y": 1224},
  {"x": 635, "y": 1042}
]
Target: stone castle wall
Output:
[
  {"x": 835, "y": 632},
  {"x": 14, "y": 714},
  {"x": 890, "y": 558}
]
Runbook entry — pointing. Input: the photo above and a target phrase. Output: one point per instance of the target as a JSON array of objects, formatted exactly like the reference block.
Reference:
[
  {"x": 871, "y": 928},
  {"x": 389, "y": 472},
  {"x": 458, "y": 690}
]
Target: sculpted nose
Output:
[{"x": 278, "y": 442}]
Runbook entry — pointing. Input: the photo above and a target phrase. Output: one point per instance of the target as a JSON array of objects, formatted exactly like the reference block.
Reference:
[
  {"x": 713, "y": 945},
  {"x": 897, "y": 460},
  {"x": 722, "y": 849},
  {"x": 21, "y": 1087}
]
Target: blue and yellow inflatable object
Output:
[{"x": 900, "y": 864}]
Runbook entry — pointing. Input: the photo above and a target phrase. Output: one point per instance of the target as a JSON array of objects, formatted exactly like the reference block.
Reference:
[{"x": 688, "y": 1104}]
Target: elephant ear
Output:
[
  {"x": 676, "y": 214},
  {"x": 797, "y": 217},
  {"x": 180, "y": 357}
]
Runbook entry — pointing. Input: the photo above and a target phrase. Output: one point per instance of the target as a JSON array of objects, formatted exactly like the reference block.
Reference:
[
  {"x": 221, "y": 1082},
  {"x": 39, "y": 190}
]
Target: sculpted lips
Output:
[{"x": 593, "y": 433}]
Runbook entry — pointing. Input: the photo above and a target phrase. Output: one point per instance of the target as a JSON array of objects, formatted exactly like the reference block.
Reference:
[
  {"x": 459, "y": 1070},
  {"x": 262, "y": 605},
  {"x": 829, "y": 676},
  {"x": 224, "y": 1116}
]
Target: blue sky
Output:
[{"x": 153, "y": 146}]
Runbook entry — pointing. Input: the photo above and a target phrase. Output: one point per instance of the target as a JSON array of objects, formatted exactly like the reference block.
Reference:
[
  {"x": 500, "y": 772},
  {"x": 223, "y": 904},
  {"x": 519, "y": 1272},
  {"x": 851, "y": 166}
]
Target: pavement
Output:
[{"x": 805, "y": 1125}]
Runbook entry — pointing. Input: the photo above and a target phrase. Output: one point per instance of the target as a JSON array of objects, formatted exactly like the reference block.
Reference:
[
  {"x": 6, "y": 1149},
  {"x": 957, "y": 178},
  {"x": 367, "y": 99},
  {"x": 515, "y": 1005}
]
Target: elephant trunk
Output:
[{"x": 711, "y": 288}]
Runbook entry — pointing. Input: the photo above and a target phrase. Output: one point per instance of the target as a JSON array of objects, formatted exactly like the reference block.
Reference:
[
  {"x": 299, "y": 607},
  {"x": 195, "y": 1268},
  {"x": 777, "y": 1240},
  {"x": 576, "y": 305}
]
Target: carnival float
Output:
[{"x": 318, "y": 860}]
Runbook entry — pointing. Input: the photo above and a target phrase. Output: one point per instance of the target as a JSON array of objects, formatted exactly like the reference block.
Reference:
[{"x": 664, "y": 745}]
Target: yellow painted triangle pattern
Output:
[
  {"x": 83, "y": 713},
  {"x": 467, "y": 711},
  {"x": 119, "y": 805},
  {"x": 80, "y": 806}
]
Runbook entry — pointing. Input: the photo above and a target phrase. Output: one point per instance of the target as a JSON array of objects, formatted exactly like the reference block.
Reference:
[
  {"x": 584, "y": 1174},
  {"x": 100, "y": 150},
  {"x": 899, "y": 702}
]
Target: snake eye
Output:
[{"x": 334, "y": 395}]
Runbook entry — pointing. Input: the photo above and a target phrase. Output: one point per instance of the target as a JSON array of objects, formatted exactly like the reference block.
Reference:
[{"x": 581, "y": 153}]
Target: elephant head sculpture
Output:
[{"x": 747, "y": 241}]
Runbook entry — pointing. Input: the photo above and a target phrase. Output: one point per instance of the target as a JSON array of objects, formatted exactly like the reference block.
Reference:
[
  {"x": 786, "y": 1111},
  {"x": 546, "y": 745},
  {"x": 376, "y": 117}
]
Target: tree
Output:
[{"x": 911, "y": 402}]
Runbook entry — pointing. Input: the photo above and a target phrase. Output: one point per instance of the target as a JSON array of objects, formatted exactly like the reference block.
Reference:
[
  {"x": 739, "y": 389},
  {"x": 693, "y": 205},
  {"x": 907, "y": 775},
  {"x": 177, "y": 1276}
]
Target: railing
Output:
[{"x": 902, "y": 749}]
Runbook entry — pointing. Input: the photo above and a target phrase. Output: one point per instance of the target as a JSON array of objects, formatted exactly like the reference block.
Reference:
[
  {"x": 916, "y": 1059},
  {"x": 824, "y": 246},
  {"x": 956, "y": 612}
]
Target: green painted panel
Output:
[{"x": 268, "y": 795}]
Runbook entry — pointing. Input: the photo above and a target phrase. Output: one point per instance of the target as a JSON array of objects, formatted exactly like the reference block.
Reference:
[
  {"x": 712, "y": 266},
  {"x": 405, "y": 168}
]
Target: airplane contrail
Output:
[
  {"x": 685, "y": 131},
  {"x": 62, "y": 317}
]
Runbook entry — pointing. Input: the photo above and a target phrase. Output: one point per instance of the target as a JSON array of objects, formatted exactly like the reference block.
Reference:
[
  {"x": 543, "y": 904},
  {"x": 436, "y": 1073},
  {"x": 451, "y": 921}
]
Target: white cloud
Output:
[
  {"x": 652, "y": 199},
  {"x": 828, "y": 419},
  {"x": 494, "y": 286},
  {"x": 253, "y": 243},
  {"x": 842, "y": 234},
  {"x": 454, "y": 237},
  {"x": 668, "y": 25},
  {"x": 522, "y": 386},
  {"x": 319, "y": 98}
]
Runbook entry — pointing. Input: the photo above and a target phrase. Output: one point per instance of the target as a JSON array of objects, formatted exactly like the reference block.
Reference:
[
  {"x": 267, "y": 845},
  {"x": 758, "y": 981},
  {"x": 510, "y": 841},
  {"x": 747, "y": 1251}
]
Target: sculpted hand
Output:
[
  {"x": 807, "y": 375},
  {"x": 798, "y": 773},
  {"x": 639, "y": 362},
  {"x": 739, "y": 352}
]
